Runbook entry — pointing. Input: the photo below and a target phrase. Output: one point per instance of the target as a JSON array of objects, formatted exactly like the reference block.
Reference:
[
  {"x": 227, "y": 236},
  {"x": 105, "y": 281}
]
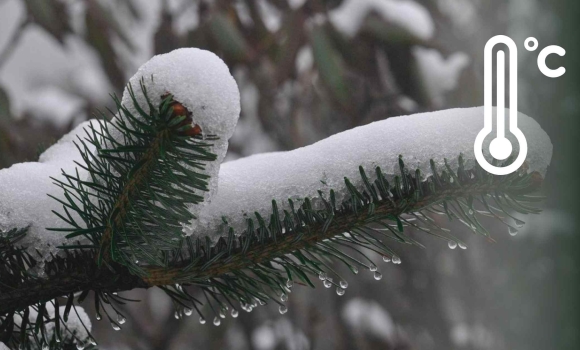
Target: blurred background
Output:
[{"x": 307, "y": 70}]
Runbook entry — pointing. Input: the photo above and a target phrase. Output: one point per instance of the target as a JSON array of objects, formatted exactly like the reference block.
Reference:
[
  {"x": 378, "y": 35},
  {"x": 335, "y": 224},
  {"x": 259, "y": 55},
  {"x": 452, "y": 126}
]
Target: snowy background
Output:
[{"x": 307, "y": 70}]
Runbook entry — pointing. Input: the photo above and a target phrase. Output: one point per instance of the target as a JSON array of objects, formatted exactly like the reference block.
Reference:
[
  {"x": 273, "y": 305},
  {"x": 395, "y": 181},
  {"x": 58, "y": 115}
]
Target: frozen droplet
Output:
[
  {"x": 217, "y": 321},
  {"x": 187, "y": 312},
  {"x": 235, "y": 313},
  {"x": 92, "y": 342},
  {"x": 202, "y": 320},
  {"x": 519, "y": 223},
  {"x": 396, "y": 260},
  {"x": 98, "y": 316},
  {"x": 343, "y": 284},
  {"x": 121, "y": 319},
  {"x": 327, "y": 283},
  {"x": 136, "y": 262},
  {"x": 462, "y": 245},
  {"x": 284, "y": 297},
  {"x": 289, "y": 284},
  {"x": 80, "y": 346},
  {"x": 378, "y": 275},
  {"x": 222, "y": 313},
  {"x": 115, "y": 326},
  {"x": 261, "y": 302},
  {"x": 283, "y": 309},
  {"x": 452, "y": 244},
  {"x": 373, "y": 268},
  {"x": 115, "y": 293},
  {"x": 470, "y": 212},
  {"x": 340, "y": 291},
  {"x": 386, "y": 259},
  {"x": 177, "y": 315},
  {"x": 512, "y": 231},
  {"x": 322, "y": 276},
  {"x": 354, "y": 269}
]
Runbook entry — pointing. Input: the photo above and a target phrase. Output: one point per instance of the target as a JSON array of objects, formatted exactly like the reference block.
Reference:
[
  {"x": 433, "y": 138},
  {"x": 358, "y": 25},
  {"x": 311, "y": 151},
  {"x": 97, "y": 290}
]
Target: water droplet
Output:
[
  {"x": 322, "y": 276},
  {"x": 452, "y": 244},
  {"x": 284, "y": 297},
  {"x": 45, "y": 347},
  {"x": 343, "y": 284},
  {"x": 378, "y": 275},
  {"x": 222, "y": 314},
  {"x": 262, "y": 303},
  {"x": 289, "y": 284},
  {"x": 386, "y": 259},
  {"x": 354, "y": 270},
  {"x": 470, "y": 212},
  {"x": 202, "y": 320},
  {"x": 187, "y": 312},
  {"x": 373, "y": 268},
  {"x": 519, "y": 223},
  {"x": 92, "y": 342},
  {"x": 340, "y": 291},
  {"x": 462, "y": 246},
  {"x": 98, "y": 316},
  {"x": 512, "y": 231},
  {"x": 57, "y": 339},
  {"x": 115, "y": 326},
  {"x": 121, "y": 319},
  {"x": 177, "y": 315},
  {"x": 396, "y": 260},
  {"x": 283, "y": 309},
  {"x": 115, "y": 293},
  {"x": 217, "y": 321},
  {"x": 327, "y": 283},
  {"x": 80, "y": 346},
  {"x": 235, "y": 313},
  {"x": 136, "y": 262}
]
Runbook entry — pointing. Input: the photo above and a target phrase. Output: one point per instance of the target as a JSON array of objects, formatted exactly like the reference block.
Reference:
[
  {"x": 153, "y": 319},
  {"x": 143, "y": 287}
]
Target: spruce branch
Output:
[{"x": 127, "y": 215}]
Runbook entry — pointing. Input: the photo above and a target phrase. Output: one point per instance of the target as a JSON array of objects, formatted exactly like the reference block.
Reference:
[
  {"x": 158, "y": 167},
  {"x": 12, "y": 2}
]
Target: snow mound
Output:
[
  {"x": 24, "y": 190},
  {"x": 250, "y": 184},
  {"x": 202, "y": 82},
  {"x": 408, "y": 15}
]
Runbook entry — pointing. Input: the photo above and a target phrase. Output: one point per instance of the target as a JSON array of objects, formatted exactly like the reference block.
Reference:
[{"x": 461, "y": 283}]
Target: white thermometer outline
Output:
[{"x": 500, "y": 147}]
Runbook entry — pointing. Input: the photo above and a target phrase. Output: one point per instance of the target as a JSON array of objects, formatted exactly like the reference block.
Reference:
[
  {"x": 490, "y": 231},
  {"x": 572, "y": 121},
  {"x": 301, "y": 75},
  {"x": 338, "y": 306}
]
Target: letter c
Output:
[{"x": 547, "y": 51}]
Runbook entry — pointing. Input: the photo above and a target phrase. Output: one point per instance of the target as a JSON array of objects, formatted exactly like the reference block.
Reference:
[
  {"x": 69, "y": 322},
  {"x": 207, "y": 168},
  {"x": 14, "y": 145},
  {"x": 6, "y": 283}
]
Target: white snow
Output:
[
  {"x": 202, "y": 82},
  {"x": 408, "y": 15},
  {"x": 439, "y": 75},
  {"x": 23, "y": 193},
  {"x": 369, "y": 317},
  {"x": 250, "y": 184}
]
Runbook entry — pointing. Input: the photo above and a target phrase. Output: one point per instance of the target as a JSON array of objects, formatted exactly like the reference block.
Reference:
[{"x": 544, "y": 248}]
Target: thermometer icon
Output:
[{"x": 500, "y": 147}]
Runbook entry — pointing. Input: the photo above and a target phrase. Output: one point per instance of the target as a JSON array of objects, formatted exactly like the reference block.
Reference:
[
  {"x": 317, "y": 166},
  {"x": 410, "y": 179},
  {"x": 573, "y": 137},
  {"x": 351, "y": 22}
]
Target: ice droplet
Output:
[
  {"x": 452, "y": 244},
  {"x": 284, "y": 297},
  {"x": 322, "y": 276},
  {"x": 378, "y": 275},
  {"x": 512, "y": 231},
  {"x": 462, "y": 246},
  {"x": 98, "y": 316},
  {"x": 80, "y": 346},
  {"x": 343, "y": 284},
  {"x": 327, "y": 283},
  {"x": 115, "y": 326},
  {"x": 386, "y": 259},
  {"x": 177, "y": 316},
  {"x": 354, "y": 270},
  {"x": 470, "y": 212},
  {"x": 396, "y": 260},
  {"x": 222, "y": 313},
  {"x": 217, "y": 321},
  {"x": 121, "y": 319},
  {"x": 340, "y": 291},
  {"x": 202, "y": 320},
  {"x": 235, "y": 313},
  {"x": 283, "y": 309},
  {"x": 187, "y": 312},
  {"x": 519, "y": 223},
  {"x": 289, "y": 284},
  {"x": 373, "y": 268}
]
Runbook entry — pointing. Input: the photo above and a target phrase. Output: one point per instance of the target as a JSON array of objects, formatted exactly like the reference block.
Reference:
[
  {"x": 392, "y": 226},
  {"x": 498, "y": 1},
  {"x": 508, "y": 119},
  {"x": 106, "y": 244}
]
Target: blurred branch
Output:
[{"x": 13, "y": 41}]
